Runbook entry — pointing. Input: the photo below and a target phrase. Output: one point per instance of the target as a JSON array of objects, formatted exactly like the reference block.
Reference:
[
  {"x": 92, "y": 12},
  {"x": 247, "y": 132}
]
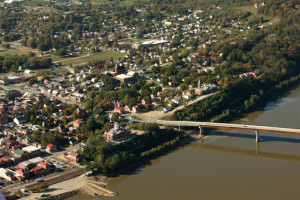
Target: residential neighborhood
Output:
[{"x": 85, "y": 83}]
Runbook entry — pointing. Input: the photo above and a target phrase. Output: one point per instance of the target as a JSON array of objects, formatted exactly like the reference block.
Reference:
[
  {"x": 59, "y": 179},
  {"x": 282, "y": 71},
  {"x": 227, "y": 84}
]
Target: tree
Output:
[
  {"x": 88, "y": 105},
  {"x": 90, "y": 124},
  {"x": 139, "y": 61}
]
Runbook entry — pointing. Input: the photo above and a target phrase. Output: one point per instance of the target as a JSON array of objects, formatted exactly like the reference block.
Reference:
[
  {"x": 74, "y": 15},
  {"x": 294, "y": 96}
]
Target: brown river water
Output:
[{"x": 227, "y": 164}]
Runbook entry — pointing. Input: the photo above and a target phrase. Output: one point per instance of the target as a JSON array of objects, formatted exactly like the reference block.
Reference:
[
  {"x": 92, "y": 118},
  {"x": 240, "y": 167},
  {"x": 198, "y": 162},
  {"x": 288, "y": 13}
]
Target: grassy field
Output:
[
  {"x": 133, "y": 40},
  {"x": 249, "y": 8},
  {"x": 127, "y": 2},
  {"x": 4, "y": 52},
  {"x": 33, "y": 2},
  {"x": 253, "y": 10},
  {"x": 104, "y": 55}
]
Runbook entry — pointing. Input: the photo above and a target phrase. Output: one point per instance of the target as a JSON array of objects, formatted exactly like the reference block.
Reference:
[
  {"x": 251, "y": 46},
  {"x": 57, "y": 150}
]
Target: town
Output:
[{"x": 76, "y": 76}]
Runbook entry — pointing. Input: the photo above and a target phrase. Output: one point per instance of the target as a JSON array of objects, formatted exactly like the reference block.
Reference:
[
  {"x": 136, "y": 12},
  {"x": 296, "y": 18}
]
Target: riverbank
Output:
[
  {"x": 228, "y": 161},
  {"x": 258, "y": 101},
  {"x": 80, "y": 185},
  {"x": 180, "y": 142}
]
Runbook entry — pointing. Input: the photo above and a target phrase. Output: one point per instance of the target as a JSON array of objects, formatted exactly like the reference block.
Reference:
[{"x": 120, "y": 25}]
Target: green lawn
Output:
[
  {"x": 249, "y": 8},
  {"x": 4, "y": 52},
  {"x": 104, "y": 55},
  {"x": 33, "y": 2}
]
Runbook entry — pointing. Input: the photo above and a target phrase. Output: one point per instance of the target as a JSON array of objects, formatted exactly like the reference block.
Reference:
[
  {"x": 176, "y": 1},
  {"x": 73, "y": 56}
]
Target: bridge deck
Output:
[{"x": 227, "y": 126}]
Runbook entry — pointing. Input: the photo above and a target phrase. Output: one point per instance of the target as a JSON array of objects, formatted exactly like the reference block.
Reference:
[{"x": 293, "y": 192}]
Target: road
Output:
[
  {"x": 159, "y": 115},
  {"x": 225, "y": 125}
]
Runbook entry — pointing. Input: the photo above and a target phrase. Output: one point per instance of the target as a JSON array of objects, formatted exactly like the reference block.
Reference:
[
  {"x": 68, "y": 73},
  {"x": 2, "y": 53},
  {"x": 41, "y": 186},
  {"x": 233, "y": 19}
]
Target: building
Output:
[
  {"x": 177, "y": 100},
  {"x": 118, "y": 69},
  {"x": 74, "y": 157},
  {"x": 44, "y": 165},
  {"x": 26, "y": 165},
  {"x": 22, "y": 155},
  {"x": 5, "y": 161},
  {"x": 21, "y": 174},
  {"x": 7, "y": 174},
  {"x": 119, "y": 110},
  {"x": 77, "y": 123},
  {"x": 51, "y": 148},
  {"x": 32, "y": 150},
  {"x": 125, "y": 78},
  {"x": 36, "y": 160},
  {"x": 38, "y": 170},
  {"x": 116, "y": 133},
  {"x": 20, "y": 120},
  {"x": 187, "y": 95}
]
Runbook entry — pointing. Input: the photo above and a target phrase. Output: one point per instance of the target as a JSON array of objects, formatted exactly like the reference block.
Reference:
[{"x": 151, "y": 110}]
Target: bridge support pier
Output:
[
  {"x": 179, "y": 128},
  {"x": 200, "y": 130},
  {"x": 257, "y": 136}
]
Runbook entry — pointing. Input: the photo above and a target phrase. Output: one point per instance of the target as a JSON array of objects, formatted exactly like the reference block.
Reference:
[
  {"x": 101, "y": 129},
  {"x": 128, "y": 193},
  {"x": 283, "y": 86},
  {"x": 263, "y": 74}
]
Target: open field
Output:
[
  {"x": 17, "y": 51},
  {"x": 126, "y": 2},
  {"x": 33, "y": 2},
  {"x": 133, "y": 40},
  {"x": 104, "y": 55},
  {"x": 253, "y": 10}
]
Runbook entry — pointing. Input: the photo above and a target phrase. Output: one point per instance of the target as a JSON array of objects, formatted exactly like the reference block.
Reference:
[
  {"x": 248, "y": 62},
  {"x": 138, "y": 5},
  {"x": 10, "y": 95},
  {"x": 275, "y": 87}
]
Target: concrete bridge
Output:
[{"x": 202, "y": 125}]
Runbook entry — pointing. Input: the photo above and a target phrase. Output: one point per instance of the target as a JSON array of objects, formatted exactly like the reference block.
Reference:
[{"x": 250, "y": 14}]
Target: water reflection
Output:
[
  {"x": 262, "y": 138},
  {"x": 245, "y": 152}
]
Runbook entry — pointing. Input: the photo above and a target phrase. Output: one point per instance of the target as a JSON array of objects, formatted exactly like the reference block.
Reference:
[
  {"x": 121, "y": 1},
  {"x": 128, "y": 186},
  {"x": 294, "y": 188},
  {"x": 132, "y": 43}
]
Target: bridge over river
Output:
[{"x": 202, "y": 125}]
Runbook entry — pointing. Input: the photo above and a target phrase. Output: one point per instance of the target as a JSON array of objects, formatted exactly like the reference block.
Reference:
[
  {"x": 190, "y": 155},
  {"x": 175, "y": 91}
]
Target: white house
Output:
[{"x": 19, "y": 120}]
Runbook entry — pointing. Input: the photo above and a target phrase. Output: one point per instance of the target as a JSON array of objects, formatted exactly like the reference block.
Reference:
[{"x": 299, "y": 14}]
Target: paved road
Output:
[
  {"x": 225, "y": 125},
  {"x": 161, "y": 115}
]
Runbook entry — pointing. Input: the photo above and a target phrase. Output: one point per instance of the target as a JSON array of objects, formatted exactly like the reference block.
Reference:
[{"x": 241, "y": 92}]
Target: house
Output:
[
  {"x": 7, "y": 174},
  {"x": 79, "y": 136},
  {"x": 77, "y": 98},
  {"x": 74, "y": 157},
  {"x": 32, "y": 150},
  {"x": 44, "y": 165},
  {"x": 21, "y": 154},
  {"x": 177, "y": 100},
  {"x": 200, "y": 91},
  {"x": 135, "y": 109},
  {"x": 77, "y": 123},
  {"x": 21, "y": 174},
  {"x": 51, "y": 148},
  {"x": 38, "y": 170},
  {"x": 119, "y": 110},
  {"x": 145, "y": 102},
  {"x": 187, "y": 95},
  {"x": 3, "y": 118},
  {"x": 127, "y": 108},
  {"x": 5, "y": 161},
  {"x": 16, "y": 146}
]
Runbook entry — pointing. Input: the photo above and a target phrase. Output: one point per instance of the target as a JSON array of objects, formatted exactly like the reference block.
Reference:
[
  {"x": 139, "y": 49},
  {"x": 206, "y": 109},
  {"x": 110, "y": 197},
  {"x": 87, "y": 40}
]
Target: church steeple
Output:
[{"x": 199, "y": 84}]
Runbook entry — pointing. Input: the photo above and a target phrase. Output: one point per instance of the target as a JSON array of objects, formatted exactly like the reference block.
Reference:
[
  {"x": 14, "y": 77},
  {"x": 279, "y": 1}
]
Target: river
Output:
[{"x": 226, "y": 164}]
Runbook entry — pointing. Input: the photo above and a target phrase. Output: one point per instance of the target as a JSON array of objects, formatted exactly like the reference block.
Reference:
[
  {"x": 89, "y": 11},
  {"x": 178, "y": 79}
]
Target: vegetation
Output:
[
  {"x": 12, "y": 62},
  {"x": 110, "y": 159},
  {"x": 39, "y": 187}
]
